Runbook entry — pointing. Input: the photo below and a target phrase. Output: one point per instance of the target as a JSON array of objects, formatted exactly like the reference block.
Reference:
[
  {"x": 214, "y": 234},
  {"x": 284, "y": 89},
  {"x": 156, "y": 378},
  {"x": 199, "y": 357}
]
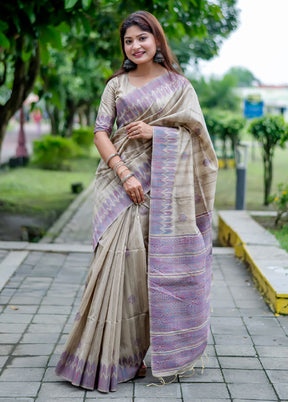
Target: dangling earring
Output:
[
  {"x": 128, "y": 65},
  {"x": 158, "y": 57}
]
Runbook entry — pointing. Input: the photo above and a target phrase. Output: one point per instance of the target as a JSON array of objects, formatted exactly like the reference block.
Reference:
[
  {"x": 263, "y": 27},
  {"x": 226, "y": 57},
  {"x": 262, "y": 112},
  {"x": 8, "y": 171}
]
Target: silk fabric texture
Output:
[{"x": 149, "y": 281}]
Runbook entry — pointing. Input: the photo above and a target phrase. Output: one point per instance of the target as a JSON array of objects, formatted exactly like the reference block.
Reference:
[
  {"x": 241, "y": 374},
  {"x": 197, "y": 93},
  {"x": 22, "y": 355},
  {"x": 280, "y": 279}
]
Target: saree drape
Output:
[{"x": 171, "y": 241}]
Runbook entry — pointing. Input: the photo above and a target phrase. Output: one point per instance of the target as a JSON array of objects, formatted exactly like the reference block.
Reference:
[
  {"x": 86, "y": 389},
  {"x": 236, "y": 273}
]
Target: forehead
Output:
[{"x": 133, "y": 31}]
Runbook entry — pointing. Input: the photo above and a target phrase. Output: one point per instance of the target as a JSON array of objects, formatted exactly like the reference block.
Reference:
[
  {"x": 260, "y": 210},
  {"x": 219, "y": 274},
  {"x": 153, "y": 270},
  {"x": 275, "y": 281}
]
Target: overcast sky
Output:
[{"x": 259, "y": 44}]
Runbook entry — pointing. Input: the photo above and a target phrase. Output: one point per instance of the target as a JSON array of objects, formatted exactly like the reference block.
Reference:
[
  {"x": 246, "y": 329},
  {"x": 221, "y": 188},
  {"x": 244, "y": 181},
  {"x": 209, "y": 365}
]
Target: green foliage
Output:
[
  {"x": 270, "y": 131},
  {"x": 83, "y": 136},
  {"x": 226, "y": 127},
  {"x": 242, "y": 76},
  {"x": 217, "y": 93},
  {"x": 279, "y": 200},
  {"x": 282, "y": 236},
  {"x": 52, "y": 152}
]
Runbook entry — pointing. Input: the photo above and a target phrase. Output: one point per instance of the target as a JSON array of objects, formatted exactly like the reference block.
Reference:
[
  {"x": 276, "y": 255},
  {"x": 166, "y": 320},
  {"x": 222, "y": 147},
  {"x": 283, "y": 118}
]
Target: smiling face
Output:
[{"x": 140, "y": 46}]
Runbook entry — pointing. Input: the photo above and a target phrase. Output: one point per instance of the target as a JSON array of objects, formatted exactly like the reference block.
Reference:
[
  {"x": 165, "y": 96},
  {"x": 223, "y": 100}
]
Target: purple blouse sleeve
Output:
[{"x": 107, "y": 110}]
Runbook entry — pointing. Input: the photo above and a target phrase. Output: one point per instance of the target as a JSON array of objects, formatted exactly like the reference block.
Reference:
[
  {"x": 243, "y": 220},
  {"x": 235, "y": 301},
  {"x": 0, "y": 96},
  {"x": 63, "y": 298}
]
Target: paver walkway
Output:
[{"x": 248, "y": 345}]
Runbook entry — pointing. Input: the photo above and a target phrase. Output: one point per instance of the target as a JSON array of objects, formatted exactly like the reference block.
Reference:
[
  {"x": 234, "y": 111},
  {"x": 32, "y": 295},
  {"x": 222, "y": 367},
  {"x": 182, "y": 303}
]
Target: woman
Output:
[{"x": 152, "y": 232}]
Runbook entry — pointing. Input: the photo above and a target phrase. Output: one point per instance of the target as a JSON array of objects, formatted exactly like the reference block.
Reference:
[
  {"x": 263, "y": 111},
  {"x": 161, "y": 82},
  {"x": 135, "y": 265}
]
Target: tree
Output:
[
  {"x": 217, "y": 93},
  {"x": 242, "y": 76},
  {"x": 27, "y": 30},
  {"x": 227, "y": 127},
  {"x": 31, "y": 29},
  {"x": 270, "y": 131}
]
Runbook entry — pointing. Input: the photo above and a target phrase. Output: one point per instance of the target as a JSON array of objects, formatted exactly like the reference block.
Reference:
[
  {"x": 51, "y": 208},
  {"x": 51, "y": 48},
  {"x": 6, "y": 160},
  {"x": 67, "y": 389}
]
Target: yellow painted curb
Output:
[{"x": 229, "y": 237}]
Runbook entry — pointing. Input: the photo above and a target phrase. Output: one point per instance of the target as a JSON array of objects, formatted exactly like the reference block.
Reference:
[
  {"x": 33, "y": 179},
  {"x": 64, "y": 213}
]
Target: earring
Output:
[
  {"x": 128, "y": 65},
  {"x": 158, "y": 57}
]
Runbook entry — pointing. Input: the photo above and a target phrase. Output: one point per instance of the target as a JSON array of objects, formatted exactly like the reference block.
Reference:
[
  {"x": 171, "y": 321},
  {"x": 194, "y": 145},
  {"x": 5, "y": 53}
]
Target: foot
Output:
[{"x": 142, "y": 370}]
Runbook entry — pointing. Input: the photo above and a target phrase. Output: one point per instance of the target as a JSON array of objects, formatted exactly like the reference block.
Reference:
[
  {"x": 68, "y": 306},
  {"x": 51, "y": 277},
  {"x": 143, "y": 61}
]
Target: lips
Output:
[{"x": 138, "y": 54}]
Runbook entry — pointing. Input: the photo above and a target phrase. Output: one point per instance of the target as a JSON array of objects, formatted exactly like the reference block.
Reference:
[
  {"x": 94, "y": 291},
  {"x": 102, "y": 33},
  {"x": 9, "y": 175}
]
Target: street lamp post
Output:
[{"x": 241, "y": 157}]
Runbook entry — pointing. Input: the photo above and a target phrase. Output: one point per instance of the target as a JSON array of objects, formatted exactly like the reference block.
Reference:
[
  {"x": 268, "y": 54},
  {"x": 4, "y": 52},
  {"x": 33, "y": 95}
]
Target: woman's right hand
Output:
[{"x": 134, "y": 189}]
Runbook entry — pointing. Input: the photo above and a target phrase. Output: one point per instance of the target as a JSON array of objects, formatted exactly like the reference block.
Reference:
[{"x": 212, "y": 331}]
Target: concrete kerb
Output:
[
  {"x": 57, "y": 227},
  {"x": 261, "y": 251}
]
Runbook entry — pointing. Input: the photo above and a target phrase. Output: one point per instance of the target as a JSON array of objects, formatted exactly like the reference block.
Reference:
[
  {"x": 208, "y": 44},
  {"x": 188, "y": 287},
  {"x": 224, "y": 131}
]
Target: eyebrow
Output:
[{"x": 129, "y": 37}]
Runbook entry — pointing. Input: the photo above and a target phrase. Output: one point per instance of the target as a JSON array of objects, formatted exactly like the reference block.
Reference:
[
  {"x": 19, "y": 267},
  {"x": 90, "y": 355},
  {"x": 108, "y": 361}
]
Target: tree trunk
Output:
[
  {"x": 69, "y": 117},
  {"x": 22, "y": 85},
  {"x": 53, "y": 114}
]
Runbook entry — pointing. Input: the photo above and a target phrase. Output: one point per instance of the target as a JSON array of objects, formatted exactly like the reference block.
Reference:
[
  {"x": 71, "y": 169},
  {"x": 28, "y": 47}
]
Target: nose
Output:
[{"x": 135, "y": 44}]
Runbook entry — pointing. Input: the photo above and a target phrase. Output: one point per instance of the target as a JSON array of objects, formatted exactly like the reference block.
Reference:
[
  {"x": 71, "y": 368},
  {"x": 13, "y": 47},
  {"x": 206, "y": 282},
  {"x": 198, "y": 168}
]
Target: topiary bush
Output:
[{"x": 53, "y": 152}]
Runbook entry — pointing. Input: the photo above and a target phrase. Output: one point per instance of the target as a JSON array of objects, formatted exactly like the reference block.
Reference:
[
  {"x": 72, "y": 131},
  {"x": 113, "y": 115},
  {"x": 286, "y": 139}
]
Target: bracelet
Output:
[
  {"x": 126, "y": 168},
  {"x": 127, "y": 177},
  {"x": 117, "y": 165},
  {"x": 110, "y": 157}
]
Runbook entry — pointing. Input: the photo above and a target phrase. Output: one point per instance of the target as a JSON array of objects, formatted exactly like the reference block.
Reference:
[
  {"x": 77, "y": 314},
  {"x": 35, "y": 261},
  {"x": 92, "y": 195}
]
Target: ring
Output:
[
  {"x": 132, "y": 194},
  {"x": 135, "y": 132}
]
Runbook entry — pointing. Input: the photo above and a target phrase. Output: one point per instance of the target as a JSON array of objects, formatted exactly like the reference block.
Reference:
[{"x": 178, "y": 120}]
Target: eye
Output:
[
  {"x": 142, "y": 38},
  {"x": 127, "y": 42}
]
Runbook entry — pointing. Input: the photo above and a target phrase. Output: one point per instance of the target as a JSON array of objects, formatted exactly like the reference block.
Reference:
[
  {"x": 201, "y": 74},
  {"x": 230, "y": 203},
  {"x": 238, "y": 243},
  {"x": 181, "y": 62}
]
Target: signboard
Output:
[{"x": 253, "y": 108}]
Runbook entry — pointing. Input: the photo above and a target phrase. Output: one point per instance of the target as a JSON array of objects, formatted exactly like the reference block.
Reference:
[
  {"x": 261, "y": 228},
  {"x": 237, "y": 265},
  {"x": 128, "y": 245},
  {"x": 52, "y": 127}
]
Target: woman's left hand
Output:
[{"x": 139, "y": 129}]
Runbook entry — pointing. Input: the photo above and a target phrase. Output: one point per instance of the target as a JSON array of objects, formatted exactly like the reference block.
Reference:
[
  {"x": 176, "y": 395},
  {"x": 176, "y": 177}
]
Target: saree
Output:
[{"x": 149, "y": 281}]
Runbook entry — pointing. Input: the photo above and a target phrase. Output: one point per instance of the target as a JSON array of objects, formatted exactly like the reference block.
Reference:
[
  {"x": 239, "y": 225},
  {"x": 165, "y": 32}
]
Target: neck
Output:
[{"x": 148, "y": 69}]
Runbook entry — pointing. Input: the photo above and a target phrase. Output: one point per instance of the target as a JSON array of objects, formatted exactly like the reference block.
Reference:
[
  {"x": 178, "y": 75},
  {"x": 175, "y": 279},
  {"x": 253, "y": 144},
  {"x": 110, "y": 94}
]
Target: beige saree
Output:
[{"x": 149, "y": 281}]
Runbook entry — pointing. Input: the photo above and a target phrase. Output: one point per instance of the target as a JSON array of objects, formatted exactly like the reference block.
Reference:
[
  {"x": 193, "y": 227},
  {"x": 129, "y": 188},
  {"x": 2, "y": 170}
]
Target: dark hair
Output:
[{"x": 148, "y": 23}]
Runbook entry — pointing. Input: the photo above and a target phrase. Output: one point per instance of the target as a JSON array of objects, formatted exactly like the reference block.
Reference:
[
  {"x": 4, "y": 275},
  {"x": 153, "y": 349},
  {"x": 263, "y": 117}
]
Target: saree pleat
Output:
[{"x": 110, "y": 335}]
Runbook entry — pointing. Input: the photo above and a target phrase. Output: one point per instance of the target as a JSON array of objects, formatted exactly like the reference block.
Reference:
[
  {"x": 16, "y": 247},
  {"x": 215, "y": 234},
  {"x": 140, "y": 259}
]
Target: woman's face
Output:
[{"x": 140, "y": 46}]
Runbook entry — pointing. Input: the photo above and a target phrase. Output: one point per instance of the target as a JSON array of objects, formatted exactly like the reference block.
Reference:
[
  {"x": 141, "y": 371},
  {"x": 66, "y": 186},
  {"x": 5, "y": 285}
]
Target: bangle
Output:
[
  {"x": 110, "y": 157},
  {"x": 127, "y": 177},
  {"x": 126, "y": 168},
  {"x": 117, "y": 165},
  {"x": 116, "y": 170}
]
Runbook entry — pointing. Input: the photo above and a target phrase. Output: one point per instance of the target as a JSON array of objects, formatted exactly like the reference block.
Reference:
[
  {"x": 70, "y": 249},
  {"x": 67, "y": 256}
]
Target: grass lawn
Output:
[
  {"x": 226, "y": 183},
  {"x": 30, "y": 190}
]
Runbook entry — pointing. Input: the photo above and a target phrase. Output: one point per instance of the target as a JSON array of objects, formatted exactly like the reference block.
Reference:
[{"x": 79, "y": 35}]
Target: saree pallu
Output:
[{"x": 123, "y": 310}]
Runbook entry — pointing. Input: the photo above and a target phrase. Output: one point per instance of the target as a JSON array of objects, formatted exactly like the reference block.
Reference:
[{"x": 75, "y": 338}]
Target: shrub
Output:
[
  {"x": 83, "y": 136},
  {"x": 280, "y": 203},
  {"x": 53, "y": 152}
]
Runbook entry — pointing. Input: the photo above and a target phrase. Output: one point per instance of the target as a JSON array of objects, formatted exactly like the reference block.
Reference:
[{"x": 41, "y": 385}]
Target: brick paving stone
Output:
[
  {"x": 272, "y": 351},
  {"x": 16, "y": 318},
  {"x": 204, "y": 390},
  {"x": 235, "y": 340},
  {"x": 274, "y": 363},
  {"x": 33, "y": 349},
  {"x": 247, "y": 363},
  {"x": 40, "y": 338},
  {"x": 245, "y": 376},
  {"x": 5, "y": 350},
  {"x": 170, "y": 390},
  {"x": 59, "y": 390},
  {"x": 235, "y": 350},
  {"x": 22, "y": 374},
  {"x": 30, "y": 361},
  {"x": 245, "y": 391},
  {"x": 9, "y": 338},
  {"x": 14, "y": 389},
  {"x": 208, "y": 375}
]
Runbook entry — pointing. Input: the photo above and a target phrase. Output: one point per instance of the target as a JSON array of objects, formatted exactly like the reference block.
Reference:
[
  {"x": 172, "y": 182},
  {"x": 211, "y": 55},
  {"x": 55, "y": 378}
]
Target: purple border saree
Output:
[{"x": 178, "y": 169}]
